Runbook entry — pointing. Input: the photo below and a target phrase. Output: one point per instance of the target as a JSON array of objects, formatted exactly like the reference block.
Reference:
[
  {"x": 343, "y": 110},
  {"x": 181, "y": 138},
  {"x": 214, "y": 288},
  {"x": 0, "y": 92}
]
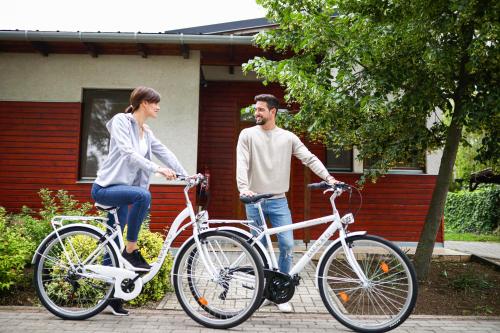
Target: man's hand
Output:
[
  {"x": 331, "y": 180},
  {"x": 247, "y": 193}
]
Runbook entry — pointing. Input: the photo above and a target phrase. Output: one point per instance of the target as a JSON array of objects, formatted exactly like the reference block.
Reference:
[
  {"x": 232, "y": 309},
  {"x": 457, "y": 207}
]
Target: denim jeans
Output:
[
  {"x": 278, "y": 213},
  {"x": 122, "y": 196}
]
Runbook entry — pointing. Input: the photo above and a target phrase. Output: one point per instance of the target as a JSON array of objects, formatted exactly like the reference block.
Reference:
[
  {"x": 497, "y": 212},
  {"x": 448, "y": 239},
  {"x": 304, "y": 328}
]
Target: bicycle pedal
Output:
[{"x": 247, "y": 287}]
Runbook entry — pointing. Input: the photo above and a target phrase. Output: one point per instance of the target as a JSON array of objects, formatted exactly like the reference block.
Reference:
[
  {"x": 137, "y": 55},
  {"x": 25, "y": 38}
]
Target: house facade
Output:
[{"x": 58, "y": 89}]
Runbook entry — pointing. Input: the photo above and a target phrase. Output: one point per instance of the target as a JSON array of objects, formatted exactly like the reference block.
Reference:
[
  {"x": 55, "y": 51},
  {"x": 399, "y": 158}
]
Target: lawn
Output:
[{"x": 470, "y": 237}]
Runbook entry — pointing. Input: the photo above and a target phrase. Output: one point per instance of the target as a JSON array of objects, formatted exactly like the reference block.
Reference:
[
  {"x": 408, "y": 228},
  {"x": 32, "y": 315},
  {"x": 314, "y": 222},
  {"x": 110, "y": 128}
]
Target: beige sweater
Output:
[{"x": 263, "y": 160}]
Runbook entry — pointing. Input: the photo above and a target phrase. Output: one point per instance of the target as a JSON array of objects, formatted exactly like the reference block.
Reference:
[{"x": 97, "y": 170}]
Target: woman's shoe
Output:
[
  {"x": 136, "y": 259},
  {"x": 116, "y": 306}
]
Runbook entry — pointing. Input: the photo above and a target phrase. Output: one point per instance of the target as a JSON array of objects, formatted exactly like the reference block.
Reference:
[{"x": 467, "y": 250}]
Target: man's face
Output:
[{"x": 262, "y": 113}]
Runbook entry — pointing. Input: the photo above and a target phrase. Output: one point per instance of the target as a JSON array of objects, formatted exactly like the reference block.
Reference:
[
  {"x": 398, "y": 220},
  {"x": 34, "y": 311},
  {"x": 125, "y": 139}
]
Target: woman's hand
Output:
[{"x": 169, "y": 174}]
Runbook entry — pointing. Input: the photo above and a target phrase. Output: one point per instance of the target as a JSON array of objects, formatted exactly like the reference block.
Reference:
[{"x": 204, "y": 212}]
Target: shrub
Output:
[
  {"x": 477, "y": 211},
  {"x": 150, "y": 244},
  {"x": 15, "y": 250}
]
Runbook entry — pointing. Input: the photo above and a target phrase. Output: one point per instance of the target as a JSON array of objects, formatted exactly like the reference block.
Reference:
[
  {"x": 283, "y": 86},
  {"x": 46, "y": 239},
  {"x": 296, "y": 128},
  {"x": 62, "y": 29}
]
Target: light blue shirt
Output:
[{"x": 124, "y": 164}]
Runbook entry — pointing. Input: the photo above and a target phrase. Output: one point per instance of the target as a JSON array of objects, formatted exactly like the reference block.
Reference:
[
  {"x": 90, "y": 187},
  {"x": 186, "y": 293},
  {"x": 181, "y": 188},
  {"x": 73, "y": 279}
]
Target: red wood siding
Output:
[
  {"x": 39, "y": 148},
  {"x": 394, "y": 207}
]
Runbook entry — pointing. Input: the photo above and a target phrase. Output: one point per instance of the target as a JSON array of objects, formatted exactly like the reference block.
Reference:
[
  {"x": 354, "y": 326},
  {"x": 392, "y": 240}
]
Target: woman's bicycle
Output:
[
  {"x": 366, "y": 282},
  {"x": 79, "y": 268}
]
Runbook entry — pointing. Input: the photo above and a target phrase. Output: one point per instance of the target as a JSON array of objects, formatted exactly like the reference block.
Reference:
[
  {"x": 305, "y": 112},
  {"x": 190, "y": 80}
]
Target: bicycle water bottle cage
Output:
[{"x": 255, "y": 198}]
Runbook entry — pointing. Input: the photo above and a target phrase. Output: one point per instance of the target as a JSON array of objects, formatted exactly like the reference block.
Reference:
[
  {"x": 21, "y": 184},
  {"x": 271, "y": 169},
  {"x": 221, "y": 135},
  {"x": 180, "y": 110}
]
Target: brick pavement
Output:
[{"x": 30, "y": 319}]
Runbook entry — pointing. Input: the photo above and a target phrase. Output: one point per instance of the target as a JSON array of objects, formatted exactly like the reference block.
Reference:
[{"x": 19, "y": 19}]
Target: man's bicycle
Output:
[
  {"x": 366, "y": 282},
  {"x": 79, "y": 268}
]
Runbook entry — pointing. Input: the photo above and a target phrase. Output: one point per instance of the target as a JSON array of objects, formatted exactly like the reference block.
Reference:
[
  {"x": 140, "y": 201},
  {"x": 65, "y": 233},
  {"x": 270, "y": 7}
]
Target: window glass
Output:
[
  {"x": 342, "y": 162},
  {"x": 99, "y": 106}
]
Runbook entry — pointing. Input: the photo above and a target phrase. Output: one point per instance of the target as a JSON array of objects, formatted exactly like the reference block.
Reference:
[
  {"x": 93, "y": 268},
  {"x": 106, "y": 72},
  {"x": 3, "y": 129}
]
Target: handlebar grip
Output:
[{"x": 319, "y": 186}]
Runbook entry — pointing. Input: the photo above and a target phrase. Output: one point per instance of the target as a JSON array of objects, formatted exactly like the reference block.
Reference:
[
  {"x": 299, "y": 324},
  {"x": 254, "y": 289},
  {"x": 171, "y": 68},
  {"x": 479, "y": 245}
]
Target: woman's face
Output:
[{"x": 152, "y": 109}]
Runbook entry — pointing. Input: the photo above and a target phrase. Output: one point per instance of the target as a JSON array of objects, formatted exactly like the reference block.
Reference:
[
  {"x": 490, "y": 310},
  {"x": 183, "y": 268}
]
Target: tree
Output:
[{"x": 372, "y": 73}]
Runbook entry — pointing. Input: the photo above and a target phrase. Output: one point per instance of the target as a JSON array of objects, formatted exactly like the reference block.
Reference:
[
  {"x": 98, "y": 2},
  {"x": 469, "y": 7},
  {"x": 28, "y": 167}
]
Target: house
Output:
[{"x": 57, "y": 90}]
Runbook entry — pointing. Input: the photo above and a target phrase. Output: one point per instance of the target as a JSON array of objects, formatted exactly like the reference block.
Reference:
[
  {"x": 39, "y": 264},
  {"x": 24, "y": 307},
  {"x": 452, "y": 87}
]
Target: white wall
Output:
[{"x": 61, "y": 78}]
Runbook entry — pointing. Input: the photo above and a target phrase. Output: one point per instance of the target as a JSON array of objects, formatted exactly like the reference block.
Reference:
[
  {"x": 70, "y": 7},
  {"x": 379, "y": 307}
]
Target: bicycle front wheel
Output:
[
  {"x": 219, "y": 284},
  {"x": 384, "y": 301},
  {"x": 61, "y": 283}
]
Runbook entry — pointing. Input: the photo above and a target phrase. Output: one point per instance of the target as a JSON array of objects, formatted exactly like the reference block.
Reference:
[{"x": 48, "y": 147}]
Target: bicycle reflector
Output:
[
  {"x": 203, "y": 301},
  {"x": 384, "y": 267},
  {"x": 344, "y": 297}
]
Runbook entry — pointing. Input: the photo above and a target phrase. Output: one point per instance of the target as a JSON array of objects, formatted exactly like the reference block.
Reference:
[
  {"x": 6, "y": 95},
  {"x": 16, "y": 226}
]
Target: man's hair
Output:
[{"x": 271, "y": 100}]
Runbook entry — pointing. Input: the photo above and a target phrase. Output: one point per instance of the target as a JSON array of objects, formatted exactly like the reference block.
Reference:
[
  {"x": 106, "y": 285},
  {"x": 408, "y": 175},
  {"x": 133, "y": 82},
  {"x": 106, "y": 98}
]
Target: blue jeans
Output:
[
  {"x": 278, "y": 213},
  {"x": 122, "y": 196}
]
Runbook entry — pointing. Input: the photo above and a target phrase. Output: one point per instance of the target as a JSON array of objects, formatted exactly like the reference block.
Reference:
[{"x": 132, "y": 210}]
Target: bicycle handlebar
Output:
[{"x": 325, "y": 186}]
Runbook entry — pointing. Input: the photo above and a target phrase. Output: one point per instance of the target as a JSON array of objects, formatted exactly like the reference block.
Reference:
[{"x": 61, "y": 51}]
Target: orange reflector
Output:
[
  {"x": 203, "y": 301},
  {"x": 384, "y": 267},
  {"x": 344, "y": 296}
]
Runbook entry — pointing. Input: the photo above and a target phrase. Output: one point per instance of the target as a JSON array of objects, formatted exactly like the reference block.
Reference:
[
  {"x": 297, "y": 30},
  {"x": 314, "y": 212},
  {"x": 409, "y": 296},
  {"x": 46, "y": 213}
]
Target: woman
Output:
[{"x": 123, "y": 179}]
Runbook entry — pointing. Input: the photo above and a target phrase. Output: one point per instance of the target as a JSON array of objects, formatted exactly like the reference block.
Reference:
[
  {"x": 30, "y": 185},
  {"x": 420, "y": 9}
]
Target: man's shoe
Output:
[
  {"x": 135, "y": 259},
  {"x": 285, "y": 307},
  {"x": 116, "y": 306},
  {"x": 266, "y": 302}
]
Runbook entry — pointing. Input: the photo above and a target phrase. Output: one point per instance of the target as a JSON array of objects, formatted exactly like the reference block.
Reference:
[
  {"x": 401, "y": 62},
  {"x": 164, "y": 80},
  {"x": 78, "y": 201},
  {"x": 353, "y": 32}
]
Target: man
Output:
[{"x": 264, "y": 155}]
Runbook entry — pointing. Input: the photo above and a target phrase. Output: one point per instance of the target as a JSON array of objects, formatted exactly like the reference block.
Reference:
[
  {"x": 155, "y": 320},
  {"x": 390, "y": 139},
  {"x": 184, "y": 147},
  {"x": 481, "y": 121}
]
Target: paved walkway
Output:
[
  {"x": 28, "y": 320},
  {"x": 488, "y": 250}
]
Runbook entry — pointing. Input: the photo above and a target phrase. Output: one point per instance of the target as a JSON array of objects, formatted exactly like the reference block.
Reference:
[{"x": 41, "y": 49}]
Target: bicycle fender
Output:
[
  {"x": 49, "y": 237},
  {"x": 351, "y": 234}
]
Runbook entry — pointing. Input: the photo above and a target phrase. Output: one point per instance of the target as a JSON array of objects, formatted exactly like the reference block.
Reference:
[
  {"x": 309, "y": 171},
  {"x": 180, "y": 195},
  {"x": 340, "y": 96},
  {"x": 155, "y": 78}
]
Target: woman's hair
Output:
[{"x": 141, "y": 94}]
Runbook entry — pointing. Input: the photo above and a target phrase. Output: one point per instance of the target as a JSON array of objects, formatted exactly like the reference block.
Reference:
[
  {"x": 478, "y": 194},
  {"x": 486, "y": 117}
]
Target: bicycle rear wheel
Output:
[
  {"x": 382, "y": 304},
  {"x": 227, "y": 298},
  {"x": 64, "y": 290}
]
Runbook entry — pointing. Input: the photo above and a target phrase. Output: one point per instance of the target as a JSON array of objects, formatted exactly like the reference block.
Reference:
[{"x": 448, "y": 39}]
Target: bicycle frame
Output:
[
  {"x": 125, "y": 271},
  {"x": 337, "y": 223}
]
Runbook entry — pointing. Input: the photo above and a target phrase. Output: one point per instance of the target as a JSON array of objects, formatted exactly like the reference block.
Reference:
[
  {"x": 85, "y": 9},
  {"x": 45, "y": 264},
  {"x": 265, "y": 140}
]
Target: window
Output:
[
  {"x": 342, "y": 162},
  {"x": 99, "y": 106},
  {"x": 415, "y": 165}
]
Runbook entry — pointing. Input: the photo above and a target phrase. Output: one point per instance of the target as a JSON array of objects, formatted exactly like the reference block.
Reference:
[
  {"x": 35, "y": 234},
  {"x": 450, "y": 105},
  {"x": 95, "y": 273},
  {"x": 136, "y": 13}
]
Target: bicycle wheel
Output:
[
  {"x": 66, "y": 291},
  {"x": 388, "y": 297},
  {"x": 227, "y": 298}
]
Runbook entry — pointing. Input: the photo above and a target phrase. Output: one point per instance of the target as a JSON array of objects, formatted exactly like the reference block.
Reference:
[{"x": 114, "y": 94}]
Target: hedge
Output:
[{"x": 477, "y": 212}]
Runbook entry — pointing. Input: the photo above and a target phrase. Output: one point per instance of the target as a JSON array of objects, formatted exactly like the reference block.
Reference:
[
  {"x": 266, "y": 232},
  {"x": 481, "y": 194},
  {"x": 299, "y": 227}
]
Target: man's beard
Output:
[{"x": 262, "y": 121}]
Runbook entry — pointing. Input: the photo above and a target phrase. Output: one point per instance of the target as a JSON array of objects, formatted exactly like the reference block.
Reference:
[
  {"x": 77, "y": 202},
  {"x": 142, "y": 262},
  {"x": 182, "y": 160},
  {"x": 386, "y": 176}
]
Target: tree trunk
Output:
[
  {"x": 433, "y": 219},
  {"x": 434, "y": 216}
]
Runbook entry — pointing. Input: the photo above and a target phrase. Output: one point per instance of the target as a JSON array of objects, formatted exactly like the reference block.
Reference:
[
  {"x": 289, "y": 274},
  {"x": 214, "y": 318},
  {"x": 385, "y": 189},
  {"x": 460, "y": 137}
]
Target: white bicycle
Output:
[
  {"x": 366, "y": 282},
  {"x": 79, "y": 268}
]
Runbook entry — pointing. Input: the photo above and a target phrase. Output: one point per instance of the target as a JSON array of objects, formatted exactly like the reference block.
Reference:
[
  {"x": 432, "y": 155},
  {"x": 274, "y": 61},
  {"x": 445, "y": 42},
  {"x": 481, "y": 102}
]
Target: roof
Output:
[{"x": 242, "y": 27}]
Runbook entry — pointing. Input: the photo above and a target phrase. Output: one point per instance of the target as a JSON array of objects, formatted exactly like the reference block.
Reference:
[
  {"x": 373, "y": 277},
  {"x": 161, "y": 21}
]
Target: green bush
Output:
[
  {"x": 150, "y": 244},
  {"x": 477, "y": 212},
  {"x": 15, "y": 251}
]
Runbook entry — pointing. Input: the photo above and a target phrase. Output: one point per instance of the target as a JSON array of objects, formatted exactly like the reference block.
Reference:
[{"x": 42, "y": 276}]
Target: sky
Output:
[{"x": 122, "y": 15}]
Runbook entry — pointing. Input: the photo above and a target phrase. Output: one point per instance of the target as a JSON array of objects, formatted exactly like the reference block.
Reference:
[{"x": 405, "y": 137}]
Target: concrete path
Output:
[
  {"x": 488, "y": 250},
  {"x": 28, "y": 320}
]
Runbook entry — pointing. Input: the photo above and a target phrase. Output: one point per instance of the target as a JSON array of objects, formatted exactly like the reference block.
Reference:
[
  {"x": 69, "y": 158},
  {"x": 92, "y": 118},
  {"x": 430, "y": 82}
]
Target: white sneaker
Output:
[
  {"x": 285, "y": 307},
  {"x": 266, "y": 302}
]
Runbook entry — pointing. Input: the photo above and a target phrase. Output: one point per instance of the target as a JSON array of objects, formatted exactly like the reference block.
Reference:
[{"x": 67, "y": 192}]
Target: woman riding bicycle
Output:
[{"x": 124, "y": 177}]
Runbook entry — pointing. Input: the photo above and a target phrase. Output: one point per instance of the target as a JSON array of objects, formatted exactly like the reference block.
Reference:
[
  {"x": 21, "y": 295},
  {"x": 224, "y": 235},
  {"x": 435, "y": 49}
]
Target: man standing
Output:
[{"x": 264, "y": 154}]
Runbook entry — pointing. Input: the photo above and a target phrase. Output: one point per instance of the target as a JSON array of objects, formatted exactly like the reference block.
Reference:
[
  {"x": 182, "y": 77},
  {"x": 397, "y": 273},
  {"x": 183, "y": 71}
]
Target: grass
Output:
[{"x": 470, "y": 237}]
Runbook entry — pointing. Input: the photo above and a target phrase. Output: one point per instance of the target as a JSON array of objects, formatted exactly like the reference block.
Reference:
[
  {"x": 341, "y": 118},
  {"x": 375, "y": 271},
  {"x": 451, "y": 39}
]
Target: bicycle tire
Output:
[
  {"x": 200, "y": 296},
  {"x": 62, "y": 290},
  {"x": 387, "y": 300}
]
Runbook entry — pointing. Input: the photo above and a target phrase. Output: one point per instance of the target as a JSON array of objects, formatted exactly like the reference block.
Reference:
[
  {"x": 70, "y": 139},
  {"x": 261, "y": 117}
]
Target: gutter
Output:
[{"x": 121, "y": 37}]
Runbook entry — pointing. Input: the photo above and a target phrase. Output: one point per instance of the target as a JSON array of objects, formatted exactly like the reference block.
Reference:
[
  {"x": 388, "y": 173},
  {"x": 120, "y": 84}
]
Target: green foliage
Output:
[
  {"x": 15, "y": 250},
  {"x": 61, "y": 203},
  {"x": 150, "y": 244},
  {"x": 477, "y": 212},
  {"x": 371, "y": 73},
  {"x": 471, "y": 237}
]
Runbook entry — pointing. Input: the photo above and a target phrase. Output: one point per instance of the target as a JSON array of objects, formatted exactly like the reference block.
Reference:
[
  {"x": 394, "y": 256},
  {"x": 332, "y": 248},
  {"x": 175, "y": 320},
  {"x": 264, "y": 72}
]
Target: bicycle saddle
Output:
[
  {"x": 104, "y": 207},
  {"x": 255, "y": 198}
]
